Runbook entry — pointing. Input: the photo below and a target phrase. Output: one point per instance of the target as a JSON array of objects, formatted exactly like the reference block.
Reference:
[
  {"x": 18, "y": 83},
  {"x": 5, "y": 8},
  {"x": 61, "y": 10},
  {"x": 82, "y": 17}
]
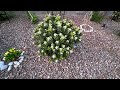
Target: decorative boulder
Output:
[{"x": 3, "y": 67}]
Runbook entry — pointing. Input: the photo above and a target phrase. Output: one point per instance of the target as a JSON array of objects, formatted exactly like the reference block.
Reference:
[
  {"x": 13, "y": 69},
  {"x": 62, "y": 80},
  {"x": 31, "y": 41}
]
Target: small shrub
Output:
[
  {"x": 11, "y": 55},
  {"x": 56, "y": 37},
  {"x": 32, "y": 17},
  {"x": 96, "y": 17},
  {"x": 116, "y": 16},
  {"x": 5, "y": 15}
]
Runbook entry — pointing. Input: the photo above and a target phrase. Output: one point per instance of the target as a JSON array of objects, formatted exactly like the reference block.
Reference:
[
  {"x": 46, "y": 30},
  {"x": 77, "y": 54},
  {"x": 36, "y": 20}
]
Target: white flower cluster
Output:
[{"x": 57, "y": 37}]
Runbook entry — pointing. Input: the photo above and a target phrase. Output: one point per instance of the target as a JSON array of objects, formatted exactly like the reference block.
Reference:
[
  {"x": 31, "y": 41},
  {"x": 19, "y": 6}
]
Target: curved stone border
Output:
[
  {"x": 90, "y": 30},
  {"x": 10, "y": 65}
]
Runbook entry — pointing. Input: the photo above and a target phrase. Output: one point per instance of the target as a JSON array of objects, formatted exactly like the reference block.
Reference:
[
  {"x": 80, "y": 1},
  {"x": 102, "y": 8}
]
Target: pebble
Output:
[
  {"x": 15, "y": 62},
  {"x": 75, "y": 46},
  {"x": 1, "y": 63},
  {"x": 4, "y": 59},
  {"x": 21, "y": 60},
  {"x": 56, "y": 61},
  {"x": 21, "y": 57},
  {"x": 4, "y": 67},
  {"x": 18, "y": 63},
  {"x": 15, "y": 66},
  {"x": 22, "y": 53},
  {"x": 6, "y": 77},
  {"x": 9, "y": 68},
  {"x": 10, "y": 64}
]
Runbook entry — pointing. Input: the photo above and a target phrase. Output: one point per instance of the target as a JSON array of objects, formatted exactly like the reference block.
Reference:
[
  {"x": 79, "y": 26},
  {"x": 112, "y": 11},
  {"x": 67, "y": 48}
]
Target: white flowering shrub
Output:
[
  {"x": 116, "y": 16},
  {"x": 56, "y": 37}
]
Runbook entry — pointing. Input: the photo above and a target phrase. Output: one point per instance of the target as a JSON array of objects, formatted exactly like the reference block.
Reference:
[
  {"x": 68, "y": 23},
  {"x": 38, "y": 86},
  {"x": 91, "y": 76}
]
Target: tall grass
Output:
[
  {"x": 32, "y": 16},
  {"x": 96, "y": 17}
]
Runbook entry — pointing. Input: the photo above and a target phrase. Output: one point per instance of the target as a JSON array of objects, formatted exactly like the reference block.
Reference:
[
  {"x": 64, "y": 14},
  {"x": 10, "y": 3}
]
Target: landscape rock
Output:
[
  {"x": 21, "y": 60},
  {"x": 18, "y": 63},
  {"x": 22, "y": 53},
  {"x": 15, "y": 66},
  {"x": 9, "y": 68},
  {"x": 15, "y": 62},
  {"x": 21, "y": 57},
  {"x": 4, "y": 67},
  {"x": 1, "y": 63},
  {"x": 10, "y": 64},
  {"x": 4, "y": 59}
]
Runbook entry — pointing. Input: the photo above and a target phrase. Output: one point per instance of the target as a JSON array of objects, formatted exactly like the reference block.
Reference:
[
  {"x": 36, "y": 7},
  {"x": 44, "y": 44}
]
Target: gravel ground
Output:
[{"x": 96, "y": 57}]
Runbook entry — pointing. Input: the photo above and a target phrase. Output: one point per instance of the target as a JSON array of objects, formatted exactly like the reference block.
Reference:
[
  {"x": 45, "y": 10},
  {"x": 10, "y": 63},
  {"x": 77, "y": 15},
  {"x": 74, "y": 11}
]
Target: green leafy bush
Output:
[
  {"x": 116, "y": 16},
  {"x": 5, "y": 15},
  {"x": 32, "y": 17},
  {"x": 2, "y": 16},
  {"x": 56, "y": 37},
  {"x": 96, "y": 17},
  {"x": 11, "y": 55}
]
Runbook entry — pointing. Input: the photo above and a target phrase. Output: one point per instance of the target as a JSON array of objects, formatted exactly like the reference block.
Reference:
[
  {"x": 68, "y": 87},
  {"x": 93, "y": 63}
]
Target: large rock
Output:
[
  {"x": 1, "y": 63},
  {"x": 3, "y": 67},
  {"x": 10, "y": 64}
]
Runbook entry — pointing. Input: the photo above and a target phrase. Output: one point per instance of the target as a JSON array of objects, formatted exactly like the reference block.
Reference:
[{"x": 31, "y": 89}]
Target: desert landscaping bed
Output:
[{"x": 96, "y": 57}]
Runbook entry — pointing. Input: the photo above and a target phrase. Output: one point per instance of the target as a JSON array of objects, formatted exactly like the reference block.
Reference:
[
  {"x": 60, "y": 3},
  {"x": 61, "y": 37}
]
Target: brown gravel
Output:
[{"x": 96, "y": 57}]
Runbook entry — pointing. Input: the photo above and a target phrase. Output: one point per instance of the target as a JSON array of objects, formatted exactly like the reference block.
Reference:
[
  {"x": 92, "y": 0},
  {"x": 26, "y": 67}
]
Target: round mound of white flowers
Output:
[{"x": 56, "y": 37}]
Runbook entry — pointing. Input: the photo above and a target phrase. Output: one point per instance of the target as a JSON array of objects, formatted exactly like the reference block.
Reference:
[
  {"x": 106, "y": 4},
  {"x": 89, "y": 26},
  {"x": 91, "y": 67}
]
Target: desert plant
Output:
[
  {"x": 11, "y": 55},
  {"x": 96, "y": 17},
  {"x": 32, "y": 16},
  {"x": 116, "y": 16},
  {"x": 56, "y": 37}
]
